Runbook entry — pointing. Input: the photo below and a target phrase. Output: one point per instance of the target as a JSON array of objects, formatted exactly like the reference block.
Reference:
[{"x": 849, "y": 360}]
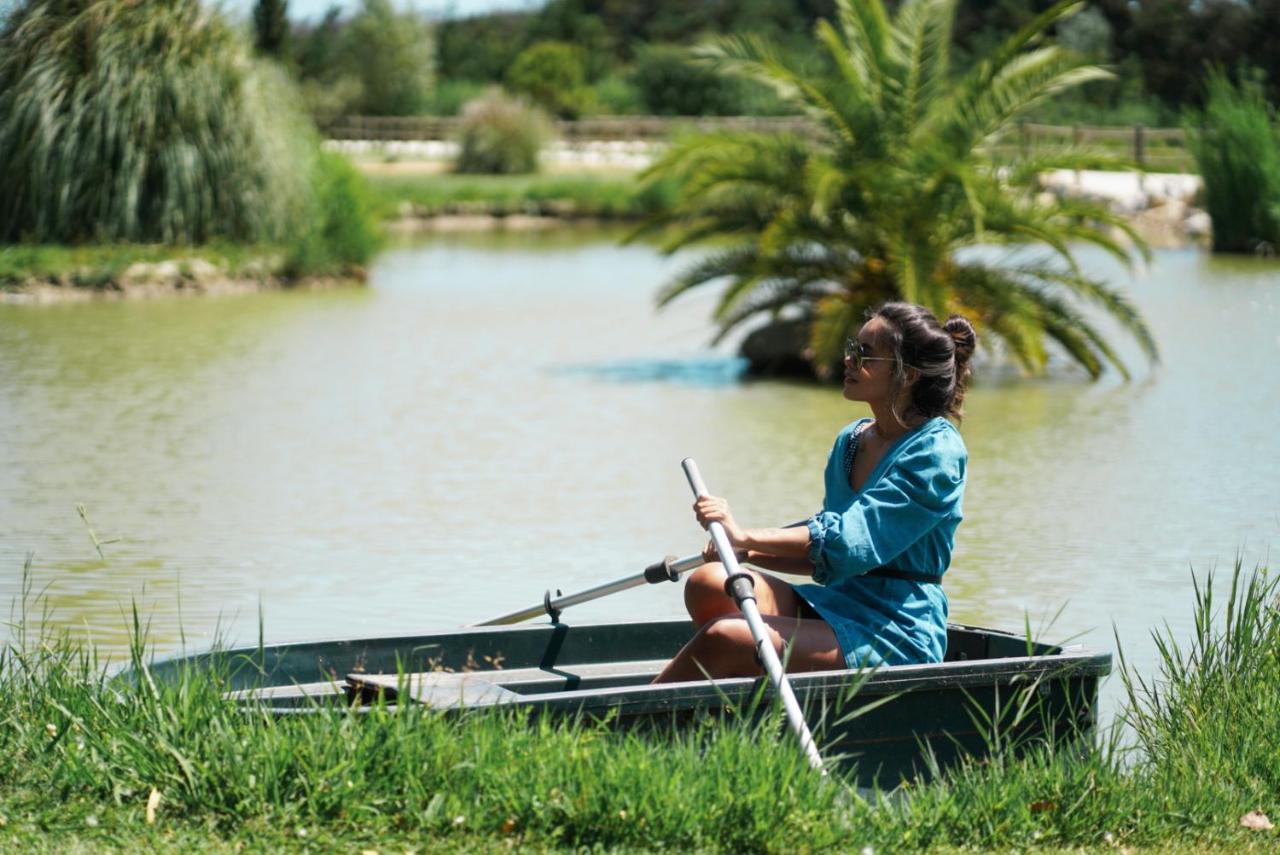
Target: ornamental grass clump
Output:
[
  {"x": 133, "y": 121},
  {"x": 501, "y": 135},
  {"x": 1236, "y": 144}
]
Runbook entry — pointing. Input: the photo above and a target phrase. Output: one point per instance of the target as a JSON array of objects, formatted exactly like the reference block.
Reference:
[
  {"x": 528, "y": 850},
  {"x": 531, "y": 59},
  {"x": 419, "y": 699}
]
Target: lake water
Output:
[{"x": 499, "y": 414}]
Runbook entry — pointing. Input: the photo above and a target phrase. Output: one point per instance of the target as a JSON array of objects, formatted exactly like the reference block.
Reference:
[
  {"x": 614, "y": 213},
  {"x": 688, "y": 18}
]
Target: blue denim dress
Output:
[{"x": 904, "y": 518}]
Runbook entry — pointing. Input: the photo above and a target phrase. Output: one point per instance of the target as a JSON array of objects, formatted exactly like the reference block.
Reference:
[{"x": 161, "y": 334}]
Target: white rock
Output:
[{"x": 1198, "y": 224}]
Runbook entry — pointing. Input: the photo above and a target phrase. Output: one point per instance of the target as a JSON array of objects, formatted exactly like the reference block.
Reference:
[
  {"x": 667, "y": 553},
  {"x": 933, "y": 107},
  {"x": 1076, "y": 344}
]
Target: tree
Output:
[
  {"x": 553, "y": 75},
  {"x": 271, "y": 27},
  {"x": 898, "y": 180},
  {"x": 391, "y": 54}
]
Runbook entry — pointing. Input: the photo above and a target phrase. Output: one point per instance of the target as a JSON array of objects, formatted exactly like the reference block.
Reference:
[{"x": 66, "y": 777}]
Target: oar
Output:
[
  {"x": 666, "y": 570},
  {"x": 742, "y": 587}
]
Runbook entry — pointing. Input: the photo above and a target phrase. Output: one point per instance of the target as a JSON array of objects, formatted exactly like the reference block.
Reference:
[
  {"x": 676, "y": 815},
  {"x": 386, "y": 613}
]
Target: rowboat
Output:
[{"x": 940, "y": 711}]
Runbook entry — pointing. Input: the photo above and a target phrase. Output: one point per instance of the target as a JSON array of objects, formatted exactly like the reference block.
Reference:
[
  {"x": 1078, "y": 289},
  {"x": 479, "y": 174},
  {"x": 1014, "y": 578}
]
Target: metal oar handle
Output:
[{"x": 739, "y": 585}]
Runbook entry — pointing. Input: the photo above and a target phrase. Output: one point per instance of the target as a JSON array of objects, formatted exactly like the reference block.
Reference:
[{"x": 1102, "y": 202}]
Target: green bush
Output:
[
  {"x": 340, "y": 235},
  {"x": 1237, "y": 150},
  {"x": 672, "y": 83},
  {"x": 450, "y": 96},
  {"x": 615, "y": 95},
  {"x": 145, "y": 122},
  {"x": 553, "y": 75},
  {"x": 501, "y": 135}
]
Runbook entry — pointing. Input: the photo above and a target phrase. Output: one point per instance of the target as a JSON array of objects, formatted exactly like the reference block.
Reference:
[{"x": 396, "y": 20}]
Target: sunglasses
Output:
[{"x": 857, "y": 353}]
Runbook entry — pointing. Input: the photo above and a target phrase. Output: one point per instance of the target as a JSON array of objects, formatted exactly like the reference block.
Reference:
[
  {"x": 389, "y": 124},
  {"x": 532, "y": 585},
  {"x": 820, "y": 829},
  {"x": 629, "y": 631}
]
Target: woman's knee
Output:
[
  {"x": 704, "y": 595},
  {"x": 727, "y": 647}
]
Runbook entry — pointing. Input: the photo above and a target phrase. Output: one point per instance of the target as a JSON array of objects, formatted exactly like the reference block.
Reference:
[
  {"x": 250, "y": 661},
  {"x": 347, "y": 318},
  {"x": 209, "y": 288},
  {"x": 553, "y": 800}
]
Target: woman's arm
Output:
[
  {"x": 778, "y": 564},
  {"x": 781, "y": 542}
]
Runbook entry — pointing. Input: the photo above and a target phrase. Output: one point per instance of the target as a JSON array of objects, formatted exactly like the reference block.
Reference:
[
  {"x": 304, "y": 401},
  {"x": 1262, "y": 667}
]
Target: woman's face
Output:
[{"x": 871, "y": 381}]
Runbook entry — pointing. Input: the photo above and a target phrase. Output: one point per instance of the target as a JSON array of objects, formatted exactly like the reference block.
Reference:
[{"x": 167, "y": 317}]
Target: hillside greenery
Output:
[{"x": 1159, "y": 51}]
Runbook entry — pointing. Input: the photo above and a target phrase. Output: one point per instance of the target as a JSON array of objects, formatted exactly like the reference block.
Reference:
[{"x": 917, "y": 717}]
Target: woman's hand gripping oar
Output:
[{"x": 740, "y": 586}]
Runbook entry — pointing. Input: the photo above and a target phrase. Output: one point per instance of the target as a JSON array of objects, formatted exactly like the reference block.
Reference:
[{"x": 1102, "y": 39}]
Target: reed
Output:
[
  {"x": 1236, "y": 144},
  {"x": 133, "y": 121},
  {"x": 81, "y": 756}
]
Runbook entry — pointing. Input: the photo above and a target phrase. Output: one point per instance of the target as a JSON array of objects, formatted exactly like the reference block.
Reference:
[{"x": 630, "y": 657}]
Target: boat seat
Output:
[
  {"x": 293, "y": 694},
  {"x": 443, "y": 688}
]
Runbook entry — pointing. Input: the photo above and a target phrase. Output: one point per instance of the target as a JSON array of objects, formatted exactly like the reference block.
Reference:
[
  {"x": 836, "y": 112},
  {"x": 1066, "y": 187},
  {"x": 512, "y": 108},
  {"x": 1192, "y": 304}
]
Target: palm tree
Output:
[{"x": 898, "y": 178}]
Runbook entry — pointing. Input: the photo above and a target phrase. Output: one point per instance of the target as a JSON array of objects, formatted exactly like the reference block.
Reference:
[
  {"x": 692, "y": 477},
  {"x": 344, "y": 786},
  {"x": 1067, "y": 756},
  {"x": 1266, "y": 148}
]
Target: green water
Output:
[{"x": 495, "y": 415}]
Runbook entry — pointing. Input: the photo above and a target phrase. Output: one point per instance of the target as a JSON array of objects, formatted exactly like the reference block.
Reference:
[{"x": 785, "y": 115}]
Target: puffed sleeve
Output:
[{"x": 921, "y": 487}]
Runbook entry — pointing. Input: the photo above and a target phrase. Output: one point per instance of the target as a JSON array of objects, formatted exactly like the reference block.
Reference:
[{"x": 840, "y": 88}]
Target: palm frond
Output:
[
  {"x": 990, "y": 113},
  {"x": 736, "y": 264},
  {"x": 865, "y": 27},
  {"x": 1112, "y": 300},
  {"x": 771, "y": 298},
  {"x": 752, "y": 57},
  {"x": 980, "y": 77},
  {"x": 920, "y": 38}
]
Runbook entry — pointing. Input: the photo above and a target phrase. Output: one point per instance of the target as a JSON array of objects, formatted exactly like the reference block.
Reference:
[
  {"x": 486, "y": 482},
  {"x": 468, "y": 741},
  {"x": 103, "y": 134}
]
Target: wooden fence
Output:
[{"x": 1150, "y": 148}]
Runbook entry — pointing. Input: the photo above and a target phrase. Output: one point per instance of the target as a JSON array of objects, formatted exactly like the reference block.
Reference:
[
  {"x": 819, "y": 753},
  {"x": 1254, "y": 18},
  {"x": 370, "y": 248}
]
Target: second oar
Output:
[{"x": 667, "y": 570}]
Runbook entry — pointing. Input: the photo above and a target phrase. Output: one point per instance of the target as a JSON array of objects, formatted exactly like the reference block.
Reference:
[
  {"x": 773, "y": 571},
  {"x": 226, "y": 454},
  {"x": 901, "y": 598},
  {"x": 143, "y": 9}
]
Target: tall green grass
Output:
[
  {"x": 80, "y": 757},
  {"x": 595, "y": 195},
  {"x": 339, "y": 235},
  {"x": 123, "y": 120},
  {"x": 1236, "y": 145}
]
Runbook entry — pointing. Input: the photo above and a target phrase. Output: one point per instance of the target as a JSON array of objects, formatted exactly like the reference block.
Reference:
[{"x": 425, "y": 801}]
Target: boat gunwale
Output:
[{"x": 175, "y": 659}]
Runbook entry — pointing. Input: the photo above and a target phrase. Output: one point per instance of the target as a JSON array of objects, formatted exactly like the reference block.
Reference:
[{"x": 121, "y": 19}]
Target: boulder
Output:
[{"x": 779, "y": 349}]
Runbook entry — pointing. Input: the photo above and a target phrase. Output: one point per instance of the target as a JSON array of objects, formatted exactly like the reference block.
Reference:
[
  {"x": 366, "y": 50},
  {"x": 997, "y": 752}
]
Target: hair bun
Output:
[{"x": 965, "y": 337}]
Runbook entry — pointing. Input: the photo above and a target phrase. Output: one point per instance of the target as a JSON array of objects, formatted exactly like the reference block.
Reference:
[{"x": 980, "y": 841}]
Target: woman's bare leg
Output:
[
  {"x": 706, "y": 600},
  {"x": 723, "y": 647}
]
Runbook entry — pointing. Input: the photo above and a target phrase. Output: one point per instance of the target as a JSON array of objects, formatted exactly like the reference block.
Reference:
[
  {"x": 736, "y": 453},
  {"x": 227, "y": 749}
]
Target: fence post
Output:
[{"x": 1139, "y": 146}]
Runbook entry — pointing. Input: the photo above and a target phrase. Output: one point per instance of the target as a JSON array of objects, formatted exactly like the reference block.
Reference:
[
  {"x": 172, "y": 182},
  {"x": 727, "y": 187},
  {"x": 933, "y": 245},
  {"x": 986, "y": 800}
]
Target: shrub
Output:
[
  {"x": 142, "y": 122},
  {"x": 501, "y": 135},
  {"x": 340, "y": 235},
  {"x": 1237, "y": 151},
  {"x": 450, "y": 96},
  {"x": 553, "y": 75},
  {"x": 672, "y": 83},
  {"x": 615, "y": 95}
]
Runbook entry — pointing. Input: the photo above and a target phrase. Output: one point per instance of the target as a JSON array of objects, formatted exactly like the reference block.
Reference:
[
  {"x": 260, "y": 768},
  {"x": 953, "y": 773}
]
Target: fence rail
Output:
[{"x": 1149, "y": 148}]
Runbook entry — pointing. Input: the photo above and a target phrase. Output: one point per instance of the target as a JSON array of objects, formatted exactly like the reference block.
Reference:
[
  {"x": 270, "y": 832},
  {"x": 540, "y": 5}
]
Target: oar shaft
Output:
[
  {"x": 744, "y": 595},
  {"x": 668, "y": 569}
]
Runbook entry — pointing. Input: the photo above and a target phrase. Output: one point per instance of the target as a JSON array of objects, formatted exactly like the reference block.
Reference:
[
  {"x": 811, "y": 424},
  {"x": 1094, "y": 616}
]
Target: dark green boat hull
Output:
[{"x": 943, "y": 711}]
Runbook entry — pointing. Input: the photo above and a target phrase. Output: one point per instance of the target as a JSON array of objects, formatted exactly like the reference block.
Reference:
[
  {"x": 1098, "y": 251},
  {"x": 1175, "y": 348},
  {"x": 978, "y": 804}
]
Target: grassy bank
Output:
[
  {"x": 608, "y": 196},
  {"x": 85, "y": 764}
]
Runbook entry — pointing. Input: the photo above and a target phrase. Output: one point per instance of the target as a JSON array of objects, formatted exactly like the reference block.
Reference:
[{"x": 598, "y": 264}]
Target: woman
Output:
[{"x": 879, "y": 546}]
